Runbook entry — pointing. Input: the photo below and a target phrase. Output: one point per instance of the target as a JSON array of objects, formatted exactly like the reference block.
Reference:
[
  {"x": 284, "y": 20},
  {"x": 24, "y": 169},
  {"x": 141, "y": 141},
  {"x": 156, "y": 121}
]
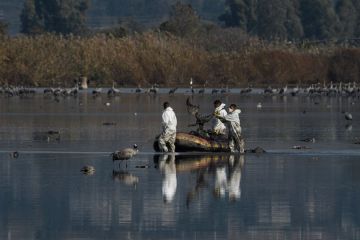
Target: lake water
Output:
[{"x": 287, "y": 193}]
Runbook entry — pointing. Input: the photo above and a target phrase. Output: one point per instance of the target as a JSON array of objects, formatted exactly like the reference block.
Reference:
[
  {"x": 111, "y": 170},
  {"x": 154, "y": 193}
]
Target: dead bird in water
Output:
[{"x": 88, "y": 170}]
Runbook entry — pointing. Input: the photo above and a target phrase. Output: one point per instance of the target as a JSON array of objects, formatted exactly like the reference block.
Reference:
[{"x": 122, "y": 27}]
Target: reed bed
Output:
[{"x": 152, "y": 57}]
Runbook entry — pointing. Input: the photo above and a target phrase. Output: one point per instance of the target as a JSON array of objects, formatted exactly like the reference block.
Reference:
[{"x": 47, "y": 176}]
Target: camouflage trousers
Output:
[
  {"x": 166, "y": 139},
  {"x": 236, "y": 141}
]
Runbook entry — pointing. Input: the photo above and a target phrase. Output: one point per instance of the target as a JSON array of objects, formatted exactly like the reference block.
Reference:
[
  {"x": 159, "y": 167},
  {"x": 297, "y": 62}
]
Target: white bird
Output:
[
  {"x": 259, "y": 105},
  {"x": 191, "y": 85},
  {"x": 295, "y": 91}
]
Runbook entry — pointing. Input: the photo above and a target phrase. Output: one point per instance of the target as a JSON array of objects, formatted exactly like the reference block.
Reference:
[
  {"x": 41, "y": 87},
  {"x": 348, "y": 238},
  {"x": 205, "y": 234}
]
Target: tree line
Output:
[
  {"x": 295, "y": 19},
  {"x": 271, "y": 20}
]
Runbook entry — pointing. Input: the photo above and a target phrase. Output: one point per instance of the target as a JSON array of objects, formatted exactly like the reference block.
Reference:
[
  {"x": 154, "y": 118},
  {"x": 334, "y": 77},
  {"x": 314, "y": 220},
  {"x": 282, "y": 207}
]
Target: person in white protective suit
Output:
[
  {"x": 168, "y": 135},
  {"x": 232, "y": 121},
  {"x": 218, "y": 127}
]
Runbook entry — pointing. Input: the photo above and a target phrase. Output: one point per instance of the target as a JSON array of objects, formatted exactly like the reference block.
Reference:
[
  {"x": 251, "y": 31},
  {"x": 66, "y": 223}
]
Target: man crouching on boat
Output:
[
  {"x": 233, "y": 123},
  {"x": 168, "y": 135}
]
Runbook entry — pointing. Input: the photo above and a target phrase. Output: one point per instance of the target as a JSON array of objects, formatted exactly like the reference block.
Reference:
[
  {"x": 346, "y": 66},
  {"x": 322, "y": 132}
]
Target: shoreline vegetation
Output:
[{"x": 221, "y": 58}]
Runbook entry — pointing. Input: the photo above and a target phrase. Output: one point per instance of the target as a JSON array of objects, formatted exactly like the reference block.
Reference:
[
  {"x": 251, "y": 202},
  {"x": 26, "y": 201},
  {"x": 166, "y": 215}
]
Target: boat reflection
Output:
[{"x": 220, "y": 174}]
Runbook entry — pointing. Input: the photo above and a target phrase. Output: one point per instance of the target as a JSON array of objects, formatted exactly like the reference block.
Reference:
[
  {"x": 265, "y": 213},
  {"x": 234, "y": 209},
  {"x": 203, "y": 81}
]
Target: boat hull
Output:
[{"x": 186, "y": 142}]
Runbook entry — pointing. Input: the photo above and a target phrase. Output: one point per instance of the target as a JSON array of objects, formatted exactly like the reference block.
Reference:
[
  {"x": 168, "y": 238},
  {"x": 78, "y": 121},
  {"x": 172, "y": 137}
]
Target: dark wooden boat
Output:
[{"x": 189, "y": 142}]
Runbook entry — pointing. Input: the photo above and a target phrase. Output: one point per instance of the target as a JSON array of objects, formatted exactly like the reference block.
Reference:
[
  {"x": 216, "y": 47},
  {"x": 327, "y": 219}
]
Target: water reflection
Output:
[
  {"x": 265, "y": 197},
  {"x": 224, "y": 171},
  {"x": 169, "y": 183},
  {"x": 232, "y": 183},
  {"x": 125, "y": 177}
]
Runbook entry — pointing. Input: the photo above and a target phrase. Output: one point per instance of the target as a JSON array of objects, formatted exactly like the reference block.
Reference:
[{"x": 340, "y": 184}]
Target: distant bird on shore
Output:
[
  {"x": 215, "y": 91},
  {"x": 259, "y": 106},
  {"x": 348, "y": 116},
  {"x": 312, "y": 140},
  {"x": 154, "y": 89},
  {"x": 283, "y": 90},
  {"x": 48, "y": 90},
  {"x": 191, "y": 86},
  {"x": 113, "y": 91},
  {"x": 172, "y": 91},
  {"x": 138, "y": 89},
  {"x": 246, "y": 90},
  {"x": 125, "y": 154},
  {"x": 224, "y": 90},
  {"x": 96, "y": 92},
  {"x": 202, "y": 90},
  {"x": 295, "y": 91}
]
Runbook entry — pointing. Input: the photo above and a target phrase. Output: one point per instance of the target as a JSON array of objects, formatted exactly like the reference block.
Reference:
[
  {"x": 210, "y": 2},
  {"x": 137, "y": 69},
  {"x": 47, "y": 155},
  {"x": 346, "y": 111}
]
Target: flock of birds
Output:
[{"x": 340, "y": 89}]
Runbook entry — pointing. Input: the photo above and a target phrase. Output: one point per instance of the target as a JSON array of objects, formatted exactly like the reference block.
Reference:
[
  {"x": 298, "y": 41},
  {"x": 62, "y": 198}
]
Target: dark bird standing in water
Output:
[{"x": 125, "y": 154}]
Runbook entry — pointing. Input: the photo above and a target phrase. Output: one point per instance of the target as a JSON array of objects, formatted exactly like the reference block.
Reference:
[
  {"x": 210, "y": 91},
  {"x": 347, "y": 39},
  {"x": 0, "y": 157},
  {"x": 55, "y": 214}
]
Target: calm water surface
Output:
[{"x": 285, "y": 194}]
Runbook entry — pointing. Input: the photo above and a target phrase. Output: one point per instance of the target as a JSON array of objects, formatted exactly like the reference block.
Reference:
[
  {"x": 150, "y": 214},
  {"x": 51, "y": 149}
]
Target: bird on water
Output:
[
  {"x": 125, "y": 154},
  {"x": 88, "y": 170},
  {"x": 348, "y": 116}
]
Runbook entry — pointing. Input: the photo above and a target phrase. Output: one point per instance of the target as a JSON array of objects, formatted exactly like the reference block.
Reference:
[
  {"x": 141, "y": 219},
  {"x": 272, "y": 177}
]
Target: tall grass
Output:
[{"x": 149, "y": 58}]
